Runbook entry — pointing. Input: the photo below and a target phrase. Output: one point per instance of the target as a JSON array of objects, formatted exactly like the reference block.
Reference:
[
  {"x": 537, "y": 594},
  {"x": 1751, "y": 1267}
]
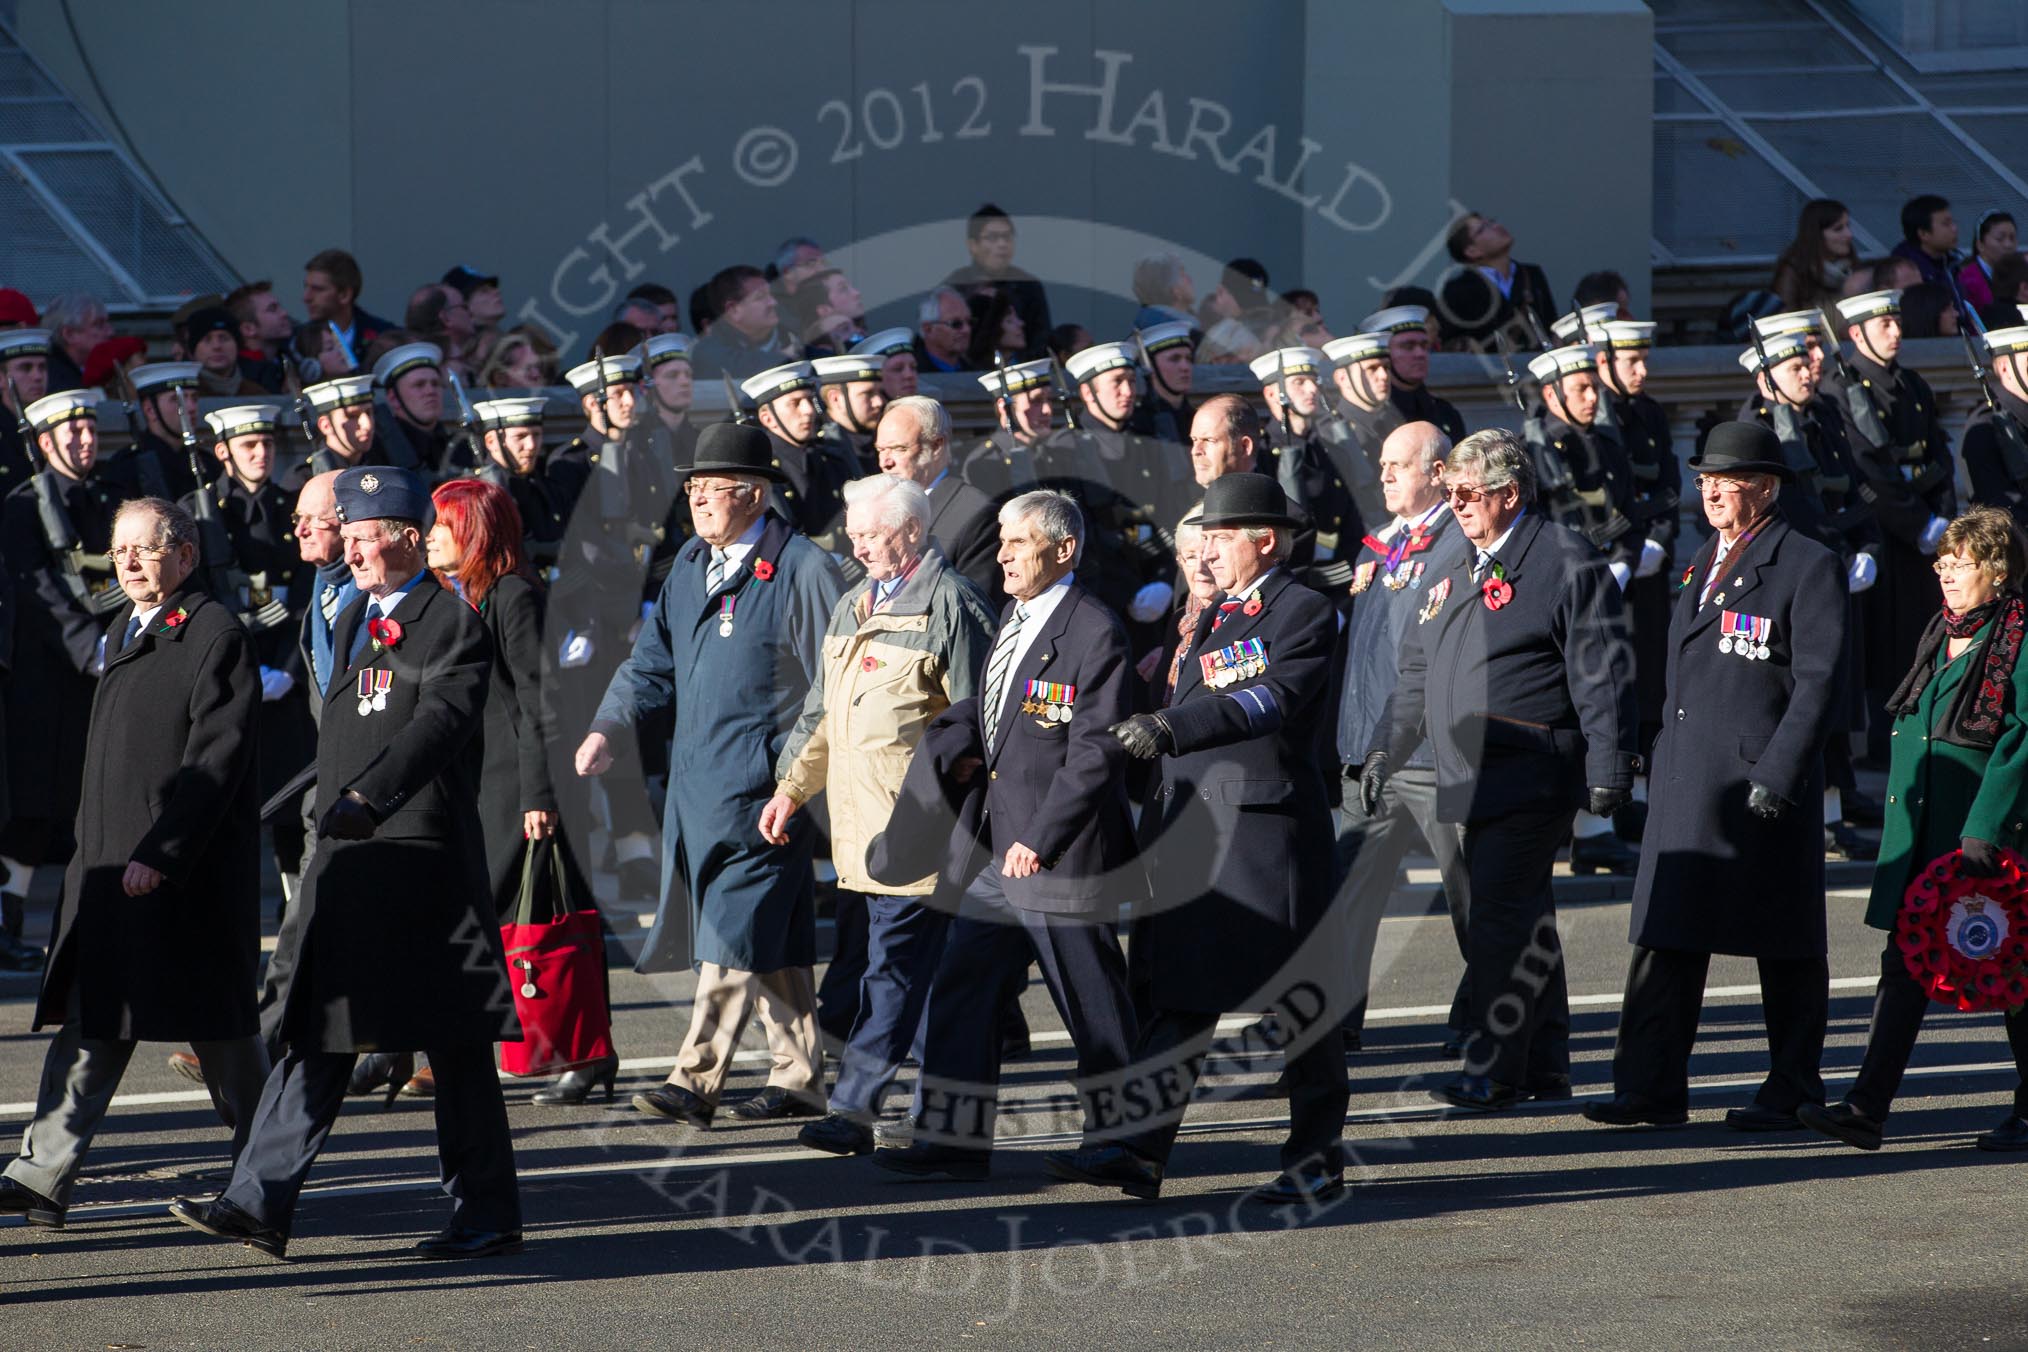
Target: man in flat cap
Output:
[
  {"x": 158, "y": 929},
  {"x": 398, "y": 947},
  {"x": 731, "y": 649},
  {"x": 1732, "y": 859},
  {"x": 54, "y": 531},
  {"x": 1238, "y": 839}
]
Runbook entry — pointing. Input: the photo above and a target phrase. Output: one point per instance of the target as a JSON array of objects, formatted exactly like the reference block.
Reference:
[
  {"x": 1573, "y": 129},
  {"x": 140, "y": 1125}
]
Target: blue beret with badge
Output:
[{"x": 383, "y": 492}]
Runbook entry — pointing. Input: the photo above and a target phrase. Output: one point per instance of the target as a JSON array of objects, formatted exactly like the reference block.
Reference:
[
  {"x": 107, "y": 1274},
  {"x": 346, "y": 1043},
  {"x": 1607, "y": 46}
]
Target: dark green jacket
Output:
[{"x": 1938, "y": 792}]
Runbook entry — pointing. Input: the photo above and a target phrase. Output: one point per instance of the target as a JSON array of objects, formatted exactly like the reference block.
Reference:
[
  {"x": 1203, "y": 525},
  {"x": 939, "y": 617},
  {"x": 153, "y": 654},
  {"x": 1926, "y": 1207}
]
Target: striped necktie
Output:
[
  {"x": 998, "y": 669},
  {"x": 1225, "y": 608},
  {"x": 327, "y": 604},
  {"x": 714, "y": 576}
]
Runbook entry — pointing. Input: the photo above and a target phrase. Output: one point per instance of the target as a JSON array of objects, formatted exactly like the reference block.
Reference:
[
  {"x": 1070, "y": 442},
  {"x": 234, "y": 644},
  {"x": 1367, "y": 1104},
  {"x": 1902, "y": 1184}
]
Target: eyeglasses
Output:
[
  {"x": 1465, "y": 493},
  {"x": 121, "y": 553},
  {"x": 1952, "y": 567},
  {"x": 953, "y": 323},
  {"x": 316, "y": 522},
  {"x": 701, "y": 494},
  {"x": 995, "y": 237},
  {"x": 1718, "y": 484}
]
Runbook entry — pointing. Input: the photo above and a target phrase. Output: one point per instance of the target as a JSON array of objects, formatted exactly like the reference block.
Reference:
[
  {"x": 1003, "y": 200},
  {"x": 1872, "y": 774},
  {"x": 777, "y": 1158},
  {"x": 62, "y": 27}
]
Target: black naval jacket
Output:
[
  {"x": 398, "y": 944},
  {"x": 168, "y": 781},
  {"x": 1998, "y": 471},
  {"x": 1238, "y": 831},
  {"x": 1714, "y": 878},
  {"x": 1599, "y": 502},
  {"x": 1417, "y": 404},
  {"x": 1527, "y": 705}
]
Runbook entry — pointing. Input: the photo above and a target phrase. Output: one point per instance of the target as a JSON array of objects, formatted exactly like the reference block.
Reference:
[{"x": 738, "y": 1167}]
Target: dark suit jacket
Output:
[
  {"x": 1059, "y": 786},
  {"x": 1528, "y": 704},
  {"x": 398, "y": 945},
  {"x": 966, "y": 527},
  {"x": 1713, "y": 877},
  {"x": 1239, "y": 831}
]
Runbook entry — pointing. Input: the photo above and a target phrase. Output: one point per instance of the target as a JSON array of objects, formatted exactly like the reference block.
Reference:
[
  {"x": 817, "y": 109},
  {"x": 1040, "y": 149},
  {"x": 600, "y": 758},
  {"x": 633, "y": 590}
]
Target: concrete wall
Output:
[{"x": 578, "y": 149}]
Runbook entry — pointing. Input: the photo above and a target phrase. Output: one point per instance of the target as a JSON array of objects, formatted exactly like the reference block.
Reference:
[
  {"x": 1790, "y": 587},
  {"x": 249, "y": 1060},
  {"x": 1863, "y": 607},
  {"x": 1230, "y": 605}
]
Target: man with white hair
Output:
[
  {"x": 914, "y": 443},
  {"x": 944, "y": 325},
  {"x": 902, "y": 646},
  {"x": 77, "y": 323}
]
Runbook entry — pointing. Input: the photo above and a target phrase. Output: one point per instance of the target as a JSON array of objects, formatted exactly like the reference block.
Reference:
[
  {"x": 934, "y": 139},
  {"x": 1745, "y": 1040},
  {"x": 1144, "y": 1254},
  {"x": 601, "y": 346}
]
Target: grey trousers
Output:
[
  {"x": 79, "y": 1077},
  {"x": 1407, "y": 816}
]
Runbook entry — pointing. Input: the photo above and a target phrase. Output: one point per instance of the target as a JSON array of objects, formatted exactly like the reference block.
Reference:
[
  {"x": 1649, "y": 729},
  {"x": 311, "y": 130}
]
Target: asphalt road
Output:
[{"x": 1530, "y": 1229}]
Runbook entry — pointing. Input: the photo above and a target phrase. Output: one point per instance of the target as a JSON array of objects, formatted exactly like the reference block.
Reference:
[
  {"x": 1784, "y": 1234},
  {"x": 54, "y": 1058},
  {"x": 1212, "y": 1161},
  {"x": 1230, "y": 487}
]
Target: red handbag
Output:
[{"x": 556, "y": 965}]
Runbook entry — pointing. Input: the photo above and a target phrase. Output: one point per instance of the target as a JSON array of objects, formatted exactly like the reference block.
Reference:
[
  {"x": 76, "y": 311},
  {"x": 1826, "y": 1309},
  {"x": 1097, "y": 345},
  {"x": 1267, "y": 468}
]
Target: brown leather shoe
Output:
[
  {"x": 422, "y": 1084},
  {"x": 186, "y": 1064}
]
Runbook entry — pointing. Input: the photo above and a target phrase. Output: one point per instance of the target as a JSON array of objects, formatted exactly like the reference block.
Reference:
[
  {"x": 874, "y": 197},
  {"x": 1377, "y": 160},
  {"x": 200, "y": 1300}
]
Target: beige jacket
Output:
[{"x": 884, "y": 675}]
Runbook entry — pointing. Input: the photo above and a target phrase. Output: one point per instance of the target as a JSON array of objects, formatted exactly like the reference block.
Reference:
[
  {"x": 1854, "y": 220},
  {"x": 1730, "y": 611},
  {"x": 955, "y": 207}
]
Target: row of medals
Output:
[{"x": 1743, "y": 647}]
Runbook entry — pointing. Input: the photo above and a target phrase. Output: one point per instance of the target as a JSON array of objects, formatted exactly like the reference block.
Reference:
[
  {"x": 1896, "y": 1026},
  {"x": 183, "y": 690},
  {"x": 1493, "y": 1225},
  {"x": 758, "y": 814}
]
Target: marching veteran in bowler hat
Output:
[
  {"x": 398, "y": 948},
  {"x": 1732, "y": 858}
]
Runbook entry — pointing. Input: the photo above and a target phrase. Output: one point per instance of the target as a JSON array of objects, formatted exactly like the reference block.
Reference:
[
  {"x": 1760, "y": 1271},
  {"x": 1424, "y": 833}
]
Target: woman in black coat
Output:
[{"x": 476, "y": 549}]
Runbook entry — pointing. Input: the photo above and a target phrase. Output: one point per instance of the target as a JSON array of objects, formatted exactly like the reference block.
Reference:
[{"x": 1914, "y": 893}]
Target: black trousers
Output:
[
  {"x": 1658, "y": 1027},
  {"x": 1174, "y": 1044},
  {"x": 985, "y": 959},
  {"x": 1898, "y": 1007},
  {"x": 1520, "y": 1010},
  {"x": 301, "y": 1100},
  {"x": 838, "y": 992}
]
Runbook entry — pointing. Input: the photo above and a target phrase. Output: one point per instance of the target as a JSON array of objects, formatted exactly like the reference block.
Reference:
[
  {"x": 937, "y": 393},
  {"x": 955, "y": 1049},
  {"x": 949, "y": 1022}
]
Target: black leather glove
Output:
[
  {"x": 1372, "y": 779},
  {"x": 1765, "y": 803},
  {"x": 349, "y": 819},
  {"x": 1144, "y": 736},
  {"x": 1978, "y": 858},
  {"x": 1605, "y": 802}
]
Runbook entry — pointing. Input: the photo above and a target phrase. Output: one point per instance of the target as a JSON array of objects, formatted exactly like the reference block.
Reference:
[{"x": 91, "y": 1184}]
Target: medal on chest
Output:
[
  {"x": 373, "y": 688},
  {"x": 1049, "y": 702},
  {"x": 1238, "y": 662},
  {"x": 726, "y": 605},
  {"x": 1744, "y": 635}
]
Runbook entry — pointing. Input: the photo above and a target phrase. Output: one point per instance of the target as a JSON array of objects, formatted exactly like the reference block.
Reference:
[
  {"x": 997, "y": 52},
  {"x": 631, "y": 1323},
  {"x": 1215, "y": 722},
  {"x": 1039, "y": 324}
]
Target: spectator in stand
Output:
[
  {"x": 1812, "y": 271},
  {"x": 1066, "y": 339},
  {"x": 1228, "y": 340},
  {"x": 331, "y": 283},
  {"x": 77, "y": 323},
  {"x": 1596, "y": 288},
  {"x": 669, "y": 317},
  {"x": 700, "y": 310},
  {"x": 440, "y": 314},
  {"x": 482, "y": 293},
  {"x": 1163, "y": 287},
  {"x": 830, "y": 314},
  {"x": 745, "y": 335},
  {"x": 1928, "y": 309},
  {"x": 17, "y": 311},
  {"x": 515, "y": 365},
  {"x": 795, "y": 260},
  {"x": 319, "y": 355},
  {"x": 1305, "y": 302},
  {"x": 1929, "y": 237},
  {"x": 1487, "y": 291},
  {"x": 996, "y": 327},
  {"x": 989, "y": 237},
  {"x": 264, "y": 332},
  {"x": 1994, "y": 240},
  {"x": 211, "y": 337},
  {"x": 2010, "y": 294},
  {"x": 944, "y": 323}
]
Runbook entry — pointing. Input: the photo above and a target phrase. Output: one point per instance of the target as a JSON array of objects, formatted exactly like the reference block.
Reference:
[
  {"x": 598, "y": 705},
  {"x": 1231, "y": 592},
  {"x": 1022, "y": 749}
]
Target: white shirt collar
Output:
[
  {"x": 147, "y": 617},
  {"x": 1043, "y": 606},
  {"x": 1401, "y": 522},
  {"x": 389, "y": 602},
  {"x": 737, "y": 551}
]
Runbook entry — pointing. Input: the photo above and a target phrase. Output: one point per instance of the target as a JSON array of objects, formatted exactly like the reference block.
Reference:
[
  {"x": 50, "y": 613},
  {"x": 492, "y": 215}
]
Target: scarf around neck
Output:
[{"x": 1978, "y": 708}]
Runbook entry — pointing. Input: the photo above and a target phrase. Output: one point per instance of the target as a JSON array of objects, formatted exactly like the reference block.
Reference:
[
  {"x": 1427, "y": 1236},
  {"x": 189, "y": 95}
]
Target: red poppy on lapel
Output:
[
  {"x": 763, "y": 570},
  {"x": 384, "y": 632}
]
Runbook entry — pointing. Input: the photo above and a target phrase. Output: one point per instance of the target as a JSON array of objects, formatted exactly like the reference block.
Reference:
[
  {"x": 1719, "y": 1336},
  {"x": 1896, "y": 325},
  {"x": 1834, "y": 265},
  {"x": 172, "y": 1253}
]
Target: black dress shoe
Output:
[
  {"x": 1857, "y": 809},
  {"x": 1842, "y": 842},
  {"x": 221, "y": 1218},
  {"x": 933, "y": 1161},
  {"x": 640, "y": 879},
  {"x": 676, "y": 1103},
  {"x": 1603, "y": 853},
  {"x": 1107, "y": 1166},
  {"x": 459, "y": 1242},
  {"x": 575, "y": 1085},
  {"x": 2008, "y": 1136},
  {"x": 1549, "y": 1089},
  {"x": 1304, "y": 1187},
  {"x": 1841, "y": 1122},
  {"x": 775, "y": 1103},
  {"x": 16, "y": 1200},
  {"x": 1478, "y": 1093},
  {"x": 16, "y": 956},
  {"x": 1626, "y": 1110},
  {"x": 382, "y": 1072},
  {"x": 1757, "y": 1116},
  {"x": 838, "y": 1134}
]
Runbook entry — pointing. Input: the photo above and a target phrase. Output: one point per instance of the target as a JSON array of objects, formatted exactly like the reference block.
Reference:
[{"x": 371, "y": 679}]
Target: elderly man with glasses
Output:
[
  {"x": 1731, "y": 859},
  {"x": 1519, "y": 672}
]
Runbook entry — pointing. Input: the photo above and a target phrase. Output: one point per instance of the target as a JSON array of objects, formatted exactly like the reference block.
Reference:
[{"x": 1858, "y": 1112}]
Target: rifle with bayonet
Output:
[
  {"x": 2012, "y": 440},
  {"x": 146, "y": 467},
  {"x": 227, "y": 580},
  {"x": 57, "y": 531},
  {"x": 468, "y": 438},
  {"x": 1552, "y": 475}
]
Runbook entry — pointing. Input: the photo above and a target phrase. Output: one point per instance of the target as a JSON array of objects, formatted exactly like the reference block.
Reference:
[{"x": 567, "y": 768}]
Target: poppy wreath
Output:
[
  {"x": 1496, "y": 590},
  {"x": 384, "y": 632},
  {"x": 1965, "y": 940}
]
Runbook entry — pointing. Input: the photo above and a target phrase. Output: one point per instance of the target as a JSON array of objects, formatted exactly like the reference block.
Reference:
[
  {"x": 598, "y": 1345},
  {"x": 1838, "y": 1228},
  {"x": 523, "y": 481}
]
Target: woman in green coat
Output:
[{"x": 1956, "y": 782}]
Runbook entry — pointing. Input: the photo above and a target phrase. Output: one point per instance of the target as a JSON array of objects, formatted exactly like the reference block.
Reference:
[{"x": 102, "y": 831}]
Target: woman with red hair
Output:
[{"x": 475, "y": 550}]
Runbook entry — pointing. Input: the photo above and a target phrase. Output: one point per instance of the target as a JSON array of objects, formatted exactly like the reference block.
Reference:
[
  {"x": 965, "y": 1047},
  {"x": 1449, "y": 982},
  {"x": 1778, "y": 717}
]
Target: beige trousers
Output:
[{"x": 725, "y": 1001}]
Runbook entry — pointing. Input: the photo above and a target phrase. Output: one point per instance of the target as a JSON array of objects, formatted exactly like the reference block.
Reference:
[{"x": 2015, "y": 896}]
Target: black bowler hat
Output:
[
  {"x": 736, "y": 448},
  {"x": 1245, "y": 499},
  {"x": 1742, "y": 448}
]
